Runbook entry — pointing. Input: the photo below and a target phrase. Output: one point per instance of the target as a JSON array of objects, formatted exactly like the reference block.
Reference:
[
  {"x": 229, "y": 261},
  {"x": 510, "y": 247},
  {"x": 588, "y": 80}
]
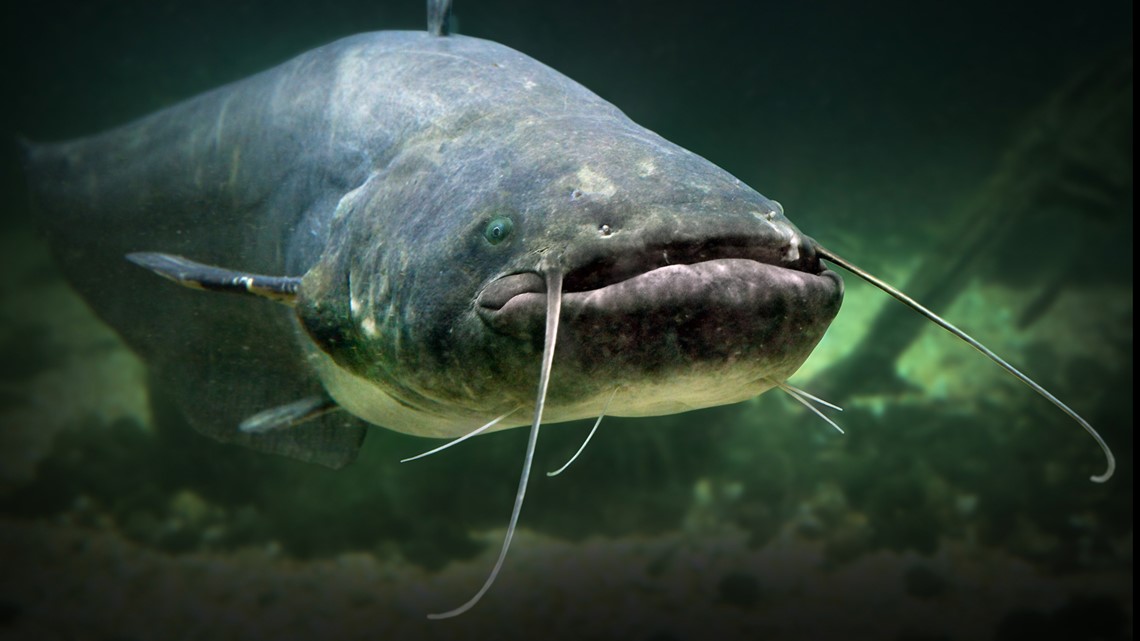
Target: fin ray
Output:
[{"x": 289, "y": 415}]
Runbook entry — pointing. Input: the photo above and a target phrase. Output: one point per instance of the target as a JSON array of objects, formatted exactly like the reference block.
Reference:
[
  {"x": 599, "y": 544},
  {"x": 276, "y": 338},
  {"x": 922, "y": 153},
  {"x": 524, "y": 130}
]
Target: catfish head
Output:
[{"x": 680, "y": 285}]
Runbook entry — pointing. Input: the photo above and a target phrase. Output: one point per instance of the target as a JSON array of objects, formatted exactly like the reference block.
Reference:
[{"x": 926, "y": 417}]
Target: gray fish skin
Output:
[{"x": 373, "y": 166}]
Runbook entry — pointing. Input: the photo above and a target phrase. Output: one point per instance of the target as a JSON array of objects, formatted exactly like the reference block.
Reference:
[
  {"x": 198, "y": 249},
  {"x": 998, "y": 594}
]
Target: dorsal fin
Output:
[
  {"x": 437, "y": 17},
  {"x": 188, "y": 273}
]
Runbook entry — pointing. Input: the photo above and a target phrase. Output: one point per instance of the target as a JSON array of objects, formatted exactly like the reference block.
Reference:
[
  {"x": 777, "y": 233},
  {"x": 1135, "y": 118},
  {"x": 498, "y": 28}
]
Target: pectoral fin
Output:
[
  {"x": 289, "y": 415},
  {"x": 188, "y": 273}
]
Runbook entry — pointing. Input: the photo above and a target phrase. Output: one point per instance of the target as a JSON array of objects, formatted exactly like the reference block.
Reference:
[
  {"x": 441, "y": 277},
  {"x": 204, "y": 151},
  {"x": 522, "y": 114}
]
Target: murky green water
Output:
[{"x": 956, "y": 505}]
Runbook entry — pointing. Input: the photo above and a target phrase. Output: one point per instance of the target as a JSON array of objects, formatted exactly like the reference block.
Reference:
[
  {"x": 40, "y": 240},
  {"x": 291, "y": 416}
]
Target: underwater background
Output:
[{"x": 977, "y": 154}]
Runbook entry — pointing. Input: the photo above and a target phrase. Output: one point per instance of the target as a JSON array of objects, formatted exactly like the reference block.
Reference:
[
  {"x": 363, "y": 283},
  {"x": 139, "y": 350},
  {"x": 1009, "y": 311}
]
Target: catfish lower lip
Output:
[{"x": 733, "y": 285}]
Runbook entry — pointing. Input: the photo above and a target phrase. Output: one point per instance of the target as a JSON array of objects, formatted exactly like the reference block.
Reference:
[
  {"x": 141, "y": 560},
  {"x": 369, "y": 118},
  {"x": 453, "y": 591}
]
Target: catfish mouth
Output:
[{"x": 730, "y": 274}]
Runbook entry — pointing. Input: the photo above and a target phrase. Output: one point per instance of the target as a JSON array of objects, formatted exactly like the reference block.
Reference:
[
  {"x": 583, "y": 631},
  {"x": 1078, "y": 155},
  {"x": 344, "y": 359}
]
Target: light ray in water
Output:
[
  {"x": 588, "y": 436},
  {"x": 553, "y": 308},
  {"x": 946, "y": 325},
  {"x": 475, "y": 432},
  {"x": 803, "y": 397}
]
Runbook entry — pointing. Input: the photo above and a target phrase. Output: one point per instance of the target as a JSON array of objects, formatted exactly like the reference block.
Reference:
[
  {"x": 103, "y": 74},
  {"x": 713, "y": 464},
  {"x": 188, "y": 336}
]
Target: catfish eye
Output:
[{"x": 498, "y": 229}]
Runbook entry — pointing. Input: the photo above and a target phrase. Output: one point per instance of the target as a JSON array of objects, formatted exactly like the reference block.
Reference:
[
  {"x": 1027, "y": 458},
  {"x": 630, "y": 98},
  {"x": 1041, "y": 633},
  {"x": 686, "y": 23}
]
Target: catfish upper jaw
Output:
[{"x": 738, "y": 279}]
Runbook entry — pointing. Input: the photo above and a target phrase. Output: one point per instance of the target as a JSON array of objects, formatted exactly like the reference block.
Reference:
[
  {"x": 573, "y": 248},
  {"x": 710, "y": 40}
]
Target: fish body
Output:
[{"x": 419, "y": 188}]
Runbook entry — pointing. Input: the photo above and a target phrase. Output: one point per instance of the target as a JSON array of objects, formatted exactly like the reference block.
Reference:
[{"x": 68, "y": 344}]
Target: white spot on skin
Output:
[
  {"x": 368, "y": 326},
  {"x": 529, "y": 84},
  {"x": 354, "y": 306},
  {"x": 785, "y": 230},
  {"x": 646, "y": 168},
  {"x": 793, "y": 252},
  {"x": 770, "y": 219},
  {"x": 595, "y": 184}
]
